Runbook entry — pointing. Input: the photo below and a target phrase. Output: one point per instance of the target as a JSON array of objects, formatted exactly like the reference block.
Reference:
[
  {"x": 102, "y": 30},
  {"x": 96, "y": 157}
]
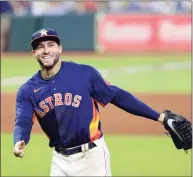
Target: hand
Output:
[
  {"x": 19, "y": 149},
  {"x": 161, "y": 118}
]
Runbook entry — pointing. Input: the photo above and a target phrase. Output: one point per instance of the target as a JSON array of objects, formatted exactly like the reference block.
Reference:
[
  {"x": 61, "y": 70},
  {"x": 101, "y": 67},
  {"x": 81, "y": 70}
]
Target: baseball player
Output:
[{"x": 64, "y": 97}]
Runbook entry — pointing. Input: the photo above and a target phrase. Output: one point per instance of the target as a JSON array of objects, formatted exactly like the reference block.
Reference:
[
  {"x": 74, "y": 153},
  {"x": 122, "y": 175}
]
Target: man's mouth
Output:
[{"x": 47, "y": 57}]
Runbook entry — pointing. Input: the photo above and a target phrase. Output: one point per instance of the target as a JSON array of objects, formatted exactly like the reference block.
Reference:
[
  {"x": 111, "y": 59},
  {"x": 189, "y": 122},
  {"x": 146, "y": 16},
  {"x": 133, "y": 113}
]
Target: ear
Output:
[
  {"x": 60, "y": 48},
  {"x": 33, "y": 53}
]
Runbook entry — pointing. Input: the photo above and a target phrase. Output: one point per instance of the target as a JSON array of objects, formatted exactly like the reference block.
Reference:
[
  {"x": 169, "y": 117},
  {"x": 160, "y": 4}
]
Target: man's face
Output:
[{"x": 47, "y": 53}]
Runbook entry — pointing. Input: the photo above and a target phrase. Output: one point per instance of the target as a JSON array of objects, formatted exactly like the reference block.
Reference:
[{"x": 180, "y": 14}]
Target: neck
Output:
[{"x": 48, "y": 73}]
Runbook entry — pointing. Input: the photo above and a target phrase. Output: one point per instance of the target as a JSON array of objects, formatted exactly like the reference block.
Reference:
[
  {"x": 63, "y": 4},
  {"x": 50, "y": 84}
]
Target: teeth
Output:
[{"x": 47, "y": 57}]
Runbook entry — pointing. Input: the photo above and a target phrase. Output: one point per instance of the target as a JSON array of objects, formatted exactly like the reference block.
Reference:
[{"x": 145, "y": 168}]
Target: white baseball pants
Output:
[{"x": 93, "y": 162}]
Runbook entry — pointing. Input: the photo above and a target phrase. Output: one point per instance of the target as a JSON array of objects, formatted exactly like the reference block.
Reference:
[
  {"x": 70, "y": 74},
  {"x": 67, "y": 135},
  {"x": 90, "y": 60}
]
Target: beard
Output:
[{"x": 47, "y": 67}]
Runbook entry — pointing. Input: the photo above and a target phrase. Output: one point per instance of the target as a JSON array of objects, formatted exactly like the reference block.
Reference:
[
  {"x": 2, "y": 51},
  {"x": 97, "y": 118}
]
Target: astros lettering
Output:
[{"x": 58, "y": 100}]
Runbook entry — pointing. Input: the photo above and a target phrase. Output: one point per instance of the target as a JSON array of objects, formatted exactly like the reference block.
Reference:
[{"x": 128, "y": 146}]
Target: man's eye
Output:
[{"x": 39, "y": 47}]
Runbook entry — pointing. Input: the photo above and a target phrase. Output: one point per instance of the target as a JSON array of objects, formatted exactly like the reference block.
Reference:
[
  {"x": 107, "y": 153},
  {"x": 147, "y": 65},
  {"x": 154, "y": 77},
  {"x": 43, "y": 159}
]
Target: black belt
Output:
[{"x": 74, "y": 150}]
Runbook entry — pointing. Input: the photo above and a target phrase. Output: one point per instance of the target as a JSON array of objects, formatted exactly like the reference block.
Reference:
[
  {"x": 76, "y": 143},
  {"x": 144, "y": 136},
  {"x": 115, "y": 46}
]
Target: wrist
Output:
[{"x": 161, "y": 118}]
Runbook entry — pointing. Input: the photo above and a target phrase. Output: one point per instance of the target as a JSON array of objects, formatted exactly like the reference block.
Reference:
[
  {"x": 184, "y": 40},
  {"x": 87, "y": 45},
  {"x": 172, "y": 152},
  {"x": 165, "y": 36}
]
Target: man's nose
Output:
[{"x": 46, "y": 50}]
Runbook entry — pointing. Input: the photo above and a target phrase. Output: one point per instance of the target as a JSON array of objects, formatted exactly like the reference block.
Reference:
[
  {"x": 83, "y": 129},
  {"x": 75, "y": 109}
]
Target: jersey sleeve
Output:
[
  {"x": 24, "y": 117},
  {"x": 101, "y": 90}
]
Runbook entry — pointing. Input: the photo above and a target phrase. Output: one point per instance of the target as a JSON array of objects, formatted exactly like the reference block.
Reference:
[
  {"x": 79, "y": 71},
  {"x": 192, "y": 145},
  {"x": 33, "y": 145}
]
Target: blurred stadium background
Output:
[{"x": 142, "y": 46}]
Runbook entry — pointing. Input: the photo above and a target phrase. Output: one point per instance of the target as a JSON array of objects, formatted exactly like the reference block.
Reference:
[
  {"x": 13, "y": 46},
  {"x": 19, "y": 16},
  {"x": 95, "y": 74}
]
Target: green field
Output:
[
  {"x": 130, "y": 155},
  {"x": 135, "y": 74}
]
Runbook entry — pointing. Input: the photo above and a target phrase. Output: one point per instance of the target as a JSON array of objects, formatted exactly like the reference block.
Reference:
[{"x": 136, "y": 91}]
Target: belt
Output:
[{"x": 70, "y": 151}]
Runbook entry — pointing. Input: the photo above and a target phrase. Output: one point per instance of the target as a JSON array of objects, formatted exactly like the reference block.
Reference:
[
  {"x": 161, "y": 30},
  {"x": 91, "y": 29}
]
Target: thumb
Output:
[{"x": 22, "y": 143}]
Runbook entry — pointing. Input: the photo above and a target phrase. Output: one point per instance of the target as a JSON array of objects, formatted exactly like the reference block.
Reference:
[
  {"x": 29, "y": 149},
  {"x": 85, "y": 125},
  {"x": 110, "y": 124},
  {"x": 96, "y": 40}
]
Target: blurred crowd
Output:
[{"x": 35, "y": 8}]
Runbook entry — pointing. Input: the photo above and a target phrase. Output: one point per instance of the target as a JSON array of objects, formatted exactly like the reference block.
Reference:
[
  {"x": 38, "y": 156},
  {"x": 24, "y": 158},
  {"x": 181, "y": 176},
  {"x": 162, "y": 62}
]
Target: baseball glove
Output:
[{"x": 179, "y": 129}]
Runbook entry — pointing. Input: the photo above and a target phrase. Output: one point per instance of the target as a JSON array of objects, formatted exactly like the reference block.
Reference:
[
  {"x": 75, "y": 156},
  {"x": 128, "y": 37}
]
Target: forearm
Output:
[
  {"x": 133, "y": 105},
  {"x": 22, "y": 131}
]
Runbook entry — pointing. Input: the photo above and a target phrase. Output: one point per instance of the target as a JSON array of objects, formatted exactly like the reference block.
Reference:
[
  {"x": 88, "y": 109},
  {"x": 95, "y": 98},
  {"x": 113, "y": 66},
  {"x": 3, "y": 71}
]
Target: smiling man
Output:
[
  {"x": 64, "y": 97},
  {"x": 47, "y": 50}
]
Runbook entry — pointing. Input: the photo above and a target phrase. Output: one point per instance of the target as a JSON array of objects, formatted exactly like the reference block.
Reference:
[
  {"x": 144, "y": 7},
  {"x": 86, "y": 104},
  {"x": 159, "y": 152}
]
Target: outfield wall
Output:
[
  {"x": 108, "y": 32},
  {"x": 76, "y": 32}
]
